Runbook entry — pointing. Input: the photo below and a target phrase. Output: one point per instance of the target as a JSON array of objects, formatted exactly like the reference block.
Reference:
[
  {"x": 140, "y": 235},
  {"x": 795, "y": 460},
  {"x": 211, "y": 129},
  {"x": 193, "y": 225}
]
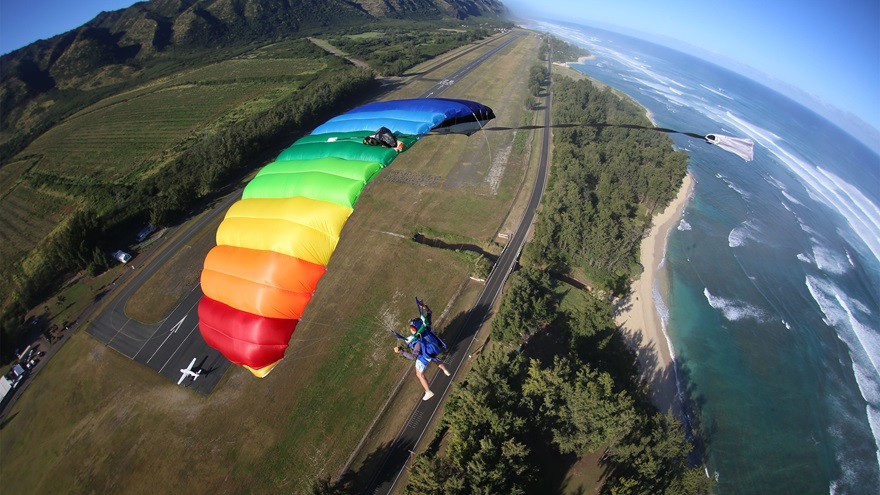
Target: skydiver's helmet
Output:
[{"x": 414, "y": 326}]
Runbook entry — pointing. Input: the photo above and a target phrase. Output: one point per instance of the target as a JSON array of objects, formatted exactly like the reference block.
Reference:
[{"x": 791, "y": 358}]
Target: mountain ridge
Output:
[{"x": 114, "y": 46}]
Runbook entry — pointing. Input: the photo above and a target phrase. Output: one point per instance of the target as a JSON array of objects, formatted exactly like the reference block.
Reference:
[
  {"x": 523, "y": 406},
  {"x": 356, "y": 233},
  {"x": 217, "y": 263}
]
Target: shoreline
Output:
[
  {"x": 637, "y": 317},
  {"x": 580, "y": 61}
]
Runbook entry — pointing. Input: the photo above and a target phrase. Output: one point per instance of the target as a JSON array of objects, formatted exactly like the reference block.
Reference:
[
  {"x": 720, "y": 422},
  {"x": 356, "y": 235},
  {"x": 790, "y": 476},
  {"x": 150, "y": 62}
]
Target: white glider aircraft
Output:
[{"x": 189, "y": 372}]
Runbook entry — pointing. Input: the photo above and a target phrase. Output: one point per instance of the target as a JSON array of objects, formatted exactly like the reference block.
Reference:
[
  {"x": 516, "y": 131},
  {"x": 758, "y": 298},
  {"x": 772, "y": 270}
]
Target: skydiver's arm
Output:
[
  {"x": 426, "y": 316},
  {"x": 417, "y": 349}
]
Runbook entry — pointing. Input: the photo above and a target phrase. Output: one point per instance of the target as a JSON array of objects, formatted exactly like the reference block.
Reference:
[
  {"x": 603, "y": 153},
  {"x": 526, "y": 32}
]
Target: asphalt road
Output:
[
  {"x": 170, "y": 345},
  {"x": 407, "y": 441}
]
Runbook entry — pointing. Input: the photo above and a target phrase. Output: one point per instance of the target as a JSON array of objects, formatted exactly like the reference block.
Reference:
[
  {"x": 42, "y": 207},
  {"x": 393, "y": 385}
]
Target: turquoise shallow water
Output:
[{"x": 773, "y": 304}]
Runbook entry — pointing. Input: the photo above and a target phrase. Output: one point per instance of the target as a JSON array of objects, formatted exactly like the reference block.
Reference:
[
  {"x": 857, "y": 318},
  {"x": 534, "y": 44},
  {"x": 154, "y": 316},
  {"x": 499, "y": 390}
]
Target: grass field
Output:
[{"x": 93, "y": 421}]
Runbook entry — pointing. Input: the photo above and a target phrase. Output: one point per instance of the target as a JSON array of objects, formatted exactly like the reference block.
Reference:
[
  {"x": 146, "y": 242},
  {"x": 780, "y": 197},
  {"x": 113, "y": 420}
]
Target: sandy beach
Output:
[
  {"x": 637, "y": 317},
  {"x": 580, "y": 61}
]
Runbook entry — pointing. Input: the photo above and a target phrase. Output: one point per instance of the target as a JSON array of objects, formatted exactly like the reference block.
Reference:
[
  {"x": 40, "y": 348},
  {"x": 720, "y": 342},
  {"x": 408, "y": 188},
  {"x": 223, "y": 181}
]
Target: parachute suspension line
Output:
[
  {"x": 738, "y": 146},
  {"x": 488, "y": 145}
]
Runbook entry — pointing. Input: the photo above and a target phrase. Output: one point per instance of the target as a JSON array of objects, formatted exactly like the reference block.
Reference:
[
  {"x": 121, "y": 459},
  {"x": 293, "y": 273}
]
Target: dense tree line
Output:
[
  {"x": 527, "y": 307},
  {"x": 605, "y": 185},
  {"x": 538, "y": 75},
  {"x": 562, "y": 50},
  {"x": 163, "y": 198}
]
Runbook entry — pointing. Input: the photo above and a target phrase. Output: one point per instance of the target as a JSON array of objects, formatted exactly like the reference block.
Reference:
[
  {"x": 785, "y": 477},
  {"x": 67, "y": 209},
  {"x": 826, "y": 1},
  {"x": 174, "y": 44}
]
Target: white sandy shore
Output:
[
  {"x": 637, "y": 316},
  {"x": 580, "y": 61}
]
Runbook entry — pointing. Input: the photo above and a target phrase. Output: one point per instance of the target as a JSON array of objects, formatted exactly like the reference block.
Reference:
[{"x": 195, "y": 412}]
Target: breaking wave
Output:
[
  {"x": 848, "y": 317},
  {"x": 735, "y": 310}
]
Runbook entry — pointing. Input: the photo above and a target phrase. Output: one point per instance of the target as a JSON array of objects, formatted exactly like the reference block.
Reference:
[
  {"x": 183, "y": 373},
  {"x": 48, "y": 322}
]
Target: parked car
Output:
[
  {"x": 149, "y": 229},
  {"x": 121, "y": 256},
  {"x": 28, "y": 355}
]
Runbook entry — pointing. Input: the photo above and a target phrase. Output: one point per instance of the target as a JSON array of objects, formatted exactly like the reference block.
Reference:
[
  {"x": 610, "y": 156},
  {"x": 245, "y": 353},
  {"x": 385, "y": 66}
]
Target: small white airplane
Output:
[{"x": 189, "y": 372}]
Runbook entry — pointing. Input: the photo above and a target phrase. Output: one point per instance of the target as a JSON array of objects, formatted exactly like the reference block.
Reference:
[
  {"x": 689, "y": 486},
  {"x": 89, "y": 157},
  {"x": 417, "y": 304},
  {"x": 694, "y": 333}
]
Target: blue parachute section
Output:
[{"x": 413, "y": 117}]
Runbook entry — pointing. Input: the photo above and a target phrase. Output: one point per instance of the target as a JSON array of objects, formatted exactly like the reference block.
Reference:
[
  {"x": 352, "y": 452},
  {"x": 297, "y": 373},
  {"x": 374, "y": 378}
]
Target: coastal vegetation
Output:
[
  {"x": 562, "y": 50},
  {"x": 560, "y": 383},
  {"x": 606, "y": 184}
]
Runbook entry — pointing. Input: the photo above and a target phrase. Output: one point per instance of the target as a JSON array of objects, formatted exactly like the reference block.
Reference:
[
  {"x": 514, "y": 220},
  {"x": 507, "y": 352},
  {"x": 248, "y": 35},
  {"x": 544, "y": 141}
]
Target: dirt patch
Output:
[
  {"x": 412, "y": 178},
  {"x": 499, "y": 163}
]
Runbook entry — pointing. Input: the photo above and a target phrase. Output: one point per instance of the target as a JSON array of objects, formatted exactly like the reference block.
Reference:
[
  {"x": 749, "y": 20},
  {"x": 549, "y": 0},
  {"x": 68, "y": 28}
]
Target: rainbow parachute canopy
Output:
[{"x": 274, "y": 244}]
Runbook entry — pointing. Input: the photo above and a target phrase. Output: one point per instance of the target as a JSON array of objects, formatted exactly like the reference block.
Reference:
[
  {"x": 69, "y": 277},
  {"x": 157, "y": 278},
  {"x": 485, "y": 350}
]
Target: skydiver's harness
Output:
[{"x": 430, "y": 344}]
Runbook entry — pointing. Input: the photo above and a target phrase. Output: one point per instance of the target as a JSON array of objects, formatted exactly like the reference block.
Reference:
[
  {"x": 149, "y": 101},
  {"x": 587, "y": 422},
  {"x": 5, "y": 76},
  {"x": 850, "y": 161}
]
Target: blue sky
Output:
[
  {"x": 827, "y": 48},
  {"x": 24, "y": 21}
]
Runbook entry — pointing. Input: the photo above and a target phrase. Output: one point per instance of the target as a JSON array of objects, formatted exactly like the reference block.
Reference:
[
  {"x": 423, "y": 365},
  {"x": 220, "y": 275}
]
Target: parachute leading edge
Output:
[{"x": 274, "y": 244}]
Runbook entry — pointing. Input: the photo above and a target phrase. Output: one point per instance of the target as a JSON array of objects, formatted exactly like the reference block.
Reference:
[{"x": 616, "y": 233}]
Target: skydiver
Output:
[{"x": 425, "y": 347}]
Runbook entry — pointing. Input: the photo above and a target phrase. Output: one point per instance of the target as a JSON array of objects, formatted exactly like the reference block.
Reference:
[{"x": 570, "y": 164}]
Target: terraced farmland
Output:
[
  {"x": 107, "y": 144},
  {"x": 123, "y": 138},
  {"x": 28, "y": 216}
]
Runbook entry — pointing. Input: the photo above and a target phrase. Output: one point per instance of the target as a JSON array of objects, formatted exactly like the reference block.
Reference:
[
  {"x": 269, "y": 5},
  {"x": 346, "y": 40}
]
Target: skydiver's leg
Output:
[
  {"x": 422, "y": 379},
  {"x": 443, "y": 368},
  {"x": 420, "y": 373}
]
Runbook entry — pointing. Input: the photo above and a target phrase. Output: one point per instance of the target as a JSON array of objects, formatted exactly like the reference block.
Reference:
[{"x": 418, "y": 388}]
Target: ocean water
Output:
[{"x": 773, "y": 298}]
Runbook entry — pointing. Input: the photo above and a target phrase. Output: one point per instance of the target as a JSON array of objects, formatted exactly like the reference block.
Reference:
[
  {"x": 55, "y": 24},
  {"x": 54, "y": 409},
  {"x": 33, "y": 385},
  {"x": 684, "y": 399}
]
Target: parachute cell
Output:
[{"x": 274, "y": 244}]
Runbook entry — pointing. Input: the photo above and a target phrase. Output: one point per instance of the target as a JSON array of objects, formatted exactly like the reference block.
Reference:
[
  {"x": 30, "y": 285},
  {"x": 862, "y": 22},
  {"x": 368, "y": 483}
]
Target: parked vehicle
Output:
[
  {"x": 121, "y": 256},
  {"x": 149, "y": 229},
  {"x": 27, "y": 355}
]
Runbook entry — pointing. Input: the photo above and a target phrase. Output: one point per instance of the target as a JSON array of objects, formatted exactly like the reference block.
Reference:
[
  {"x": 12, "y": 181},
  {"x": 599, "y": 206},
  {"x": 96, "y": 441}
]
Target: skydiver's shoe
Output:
[
  {"x": 428, "y": 395},
  {"x": 446, "y": 372}
]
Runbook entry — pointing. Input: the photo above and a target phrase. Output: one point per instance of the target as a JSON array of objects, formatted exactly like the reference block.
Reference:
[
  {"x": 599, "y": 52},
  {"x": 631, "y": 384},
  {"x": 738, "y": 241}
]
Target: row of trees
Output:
[
  {"x": 562, "y": 50},
  {"x": 606, "y": 184},
  {"x": 538, "y": 75}
]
